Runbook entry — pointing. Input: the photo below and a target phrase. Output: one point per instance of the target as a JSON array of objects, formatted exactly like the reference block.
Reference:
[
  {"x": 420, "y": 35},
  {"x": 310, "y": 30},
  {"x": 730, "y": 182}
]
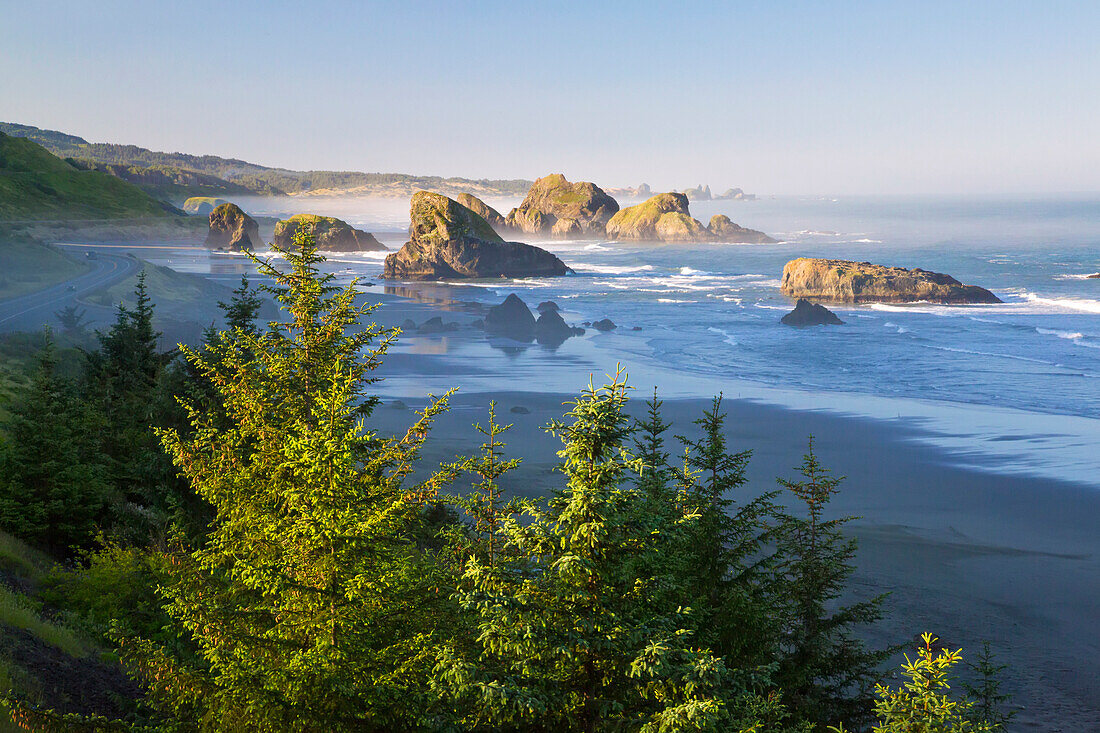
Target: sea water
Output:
[{"x": 709, "y": 314}]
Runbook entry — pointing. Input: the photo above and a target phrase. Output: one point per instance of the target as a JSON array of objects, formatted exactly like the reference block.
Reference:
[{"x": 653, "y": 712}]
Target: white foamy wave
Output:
[
  {"x": 673, "y": 300},
  {"x": 773, "y": 307},
  {"x": 609, "y": 269},
  {"x": 1076, "y": 304},
  {"x": 690, "y": 271},
  {"x": 988, "y": 353},
  {"x": 724, "y": 334},
  {"x": 1077, "y": 276},
  {"x": 1072, "y": 335}
]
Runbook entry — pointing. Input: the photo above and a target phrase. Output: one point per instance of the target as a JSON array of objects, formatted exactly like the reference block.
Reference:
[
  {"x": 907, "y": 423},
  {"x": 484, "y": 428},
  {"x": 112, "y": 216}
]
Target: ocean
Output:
[{"x": 1016, "y": 382}]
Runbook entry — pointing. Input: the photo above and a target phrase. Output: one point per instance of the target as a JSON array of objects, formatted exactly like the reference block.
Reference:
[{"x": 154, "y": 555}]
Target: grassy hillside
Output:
[
  {"x": 30, "y": 266},
  {"x": 36, "y": 185},
  {"x": 255, "y": 178}
]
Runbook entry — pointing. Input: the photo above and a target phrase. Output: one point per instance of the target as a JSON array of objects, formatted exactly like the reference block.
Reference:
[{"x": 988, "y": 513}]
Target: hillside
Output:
[
  {"x": 256, "y": 179},
  {"x": 35, "y": 185}
]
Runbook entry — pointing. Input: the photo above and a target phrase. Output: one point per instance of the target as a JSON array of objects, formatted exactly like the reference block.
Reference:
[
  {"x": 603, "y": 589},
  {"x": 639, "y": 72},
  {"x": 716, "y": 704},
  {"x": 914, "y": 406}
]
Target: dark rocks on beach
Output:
[
  {"x": 806, "y": 313},
  {"x": 604, "y": 324},
  {"x": 436, "y": 325},
  {"x": 547, "y": 305},
  {"x": 512, "y": 319},
  {"x": 1094, "y": 276},
  {"x": 552, "y": 330},
  {"x": 408, "y": 325}
]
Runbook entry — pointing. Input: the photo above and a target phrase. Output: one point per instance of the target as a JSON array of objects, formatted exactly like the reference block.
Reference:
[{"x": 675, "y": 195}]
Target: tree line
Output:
[{"x": 262, "y": 559}]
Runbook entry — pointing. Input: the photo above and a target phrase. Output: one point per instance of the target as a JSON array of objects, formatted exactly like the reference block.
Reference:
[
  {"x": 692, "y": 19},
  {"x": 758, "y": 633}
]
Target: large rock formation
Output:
[
  {"x": 202, "y": 205},
  {"x": 660, "y": 218},
  {"x": 448, "y": 240},
  {"x": 482, "y": 209},
  {"x": 665, "y": 218},
  {"x": 724, "y": 230},
  {"x": 232, "y": 229},
  {"x": 330, "y": 234},
  {"x": 806, "y": 313},
  {"x": 552, "y": 330},
  {"x": 841, "y": 281},
  {"x": 554, "y": 207}
]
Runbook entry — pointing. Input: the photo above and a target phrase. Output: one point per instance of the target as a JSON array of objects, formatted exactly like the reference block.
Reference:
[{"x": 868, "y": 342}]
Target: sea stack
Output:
[
  {"x": 806, "y": 313},
  {"x": 232, "y": 229},
  {"x": 329, "y": 233},
  {"x": 554, "y": 207},
  {"x": 842, "y": 281},
  {"x": 666, "y": 218},
  {"x": 447, "y": 240}
]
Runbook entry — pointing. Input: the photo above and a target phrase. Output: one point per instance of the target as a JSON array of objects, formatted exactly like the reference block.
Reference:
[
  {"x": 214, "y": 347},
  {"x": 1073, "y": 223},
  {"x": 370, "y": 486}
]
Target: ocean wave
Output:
[
  {"x": 973, "y": 352},
  {"x": 1077, "y": 276},
  {"x": 690, "y": 271},
  {"x": 609, "y": 269},
  {"x": 1078, "y": 304},
  {"x": 726, "y": 336},
  {"x": 673, "y": 300},
  {"x": 1072, "y": 335}
]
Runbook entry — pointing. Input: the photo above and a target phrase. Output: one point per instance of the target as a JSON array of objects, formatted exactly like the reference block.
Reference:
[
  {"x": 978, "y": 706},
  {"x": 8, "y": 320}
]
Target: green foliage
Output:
[
  {"x": 572, "y": 633},
  {"x": 53, "y": 487},
  {"x": 310, "y": 606},
  {"x": 985, "y": 691},
  {"x": 824, "y": 670},
  {"x": 922, "y": 704}
]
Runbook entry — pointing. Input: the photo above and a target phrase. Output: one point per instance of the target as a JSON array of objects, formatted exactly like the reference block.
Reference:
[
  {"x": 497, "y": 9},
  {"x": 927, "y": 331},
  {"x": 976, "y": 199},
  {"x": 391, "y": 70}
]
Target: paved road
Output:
[{"x": 31, "y": 311}]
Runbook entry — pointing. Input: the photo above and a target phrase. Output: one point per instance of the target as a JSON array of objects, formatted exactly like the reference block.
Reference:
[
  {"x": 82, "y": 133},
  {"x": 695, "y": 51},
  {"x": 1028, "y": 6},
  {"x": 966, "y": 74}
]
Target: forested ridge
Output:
[{"x": 223, "y": 523}]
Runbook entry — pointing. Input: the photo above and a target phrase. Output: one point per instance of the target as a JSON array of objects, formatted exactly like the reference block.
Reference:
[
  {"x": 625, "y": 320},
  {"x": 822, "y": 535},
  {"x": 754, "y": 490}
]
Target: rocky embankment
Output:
[
  {"x": 554, "y": 207},
  {"x": 842, "y": 281},
  {"x": 232, "y": 229},
  {"x": 330, "y": 234},
  {"x": 666, "y": 218},
  {"x": 448, "y": 240}
]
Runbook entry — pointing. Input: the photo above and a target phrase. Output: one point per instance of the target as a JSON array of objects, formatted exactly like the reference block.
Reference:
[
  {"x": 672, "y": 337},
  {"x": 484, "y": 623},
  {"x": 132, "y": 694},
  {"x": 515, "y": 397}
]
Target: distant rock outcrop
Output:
[
  {"x": 604, "y": 324},
  {"x": 202, "y": 205},
  {"x": 554, "y": 207},
  {"x": 482, "y": 209},
  {"x": 512, "y": 319},
  {"x": 841, "y": 281},
  {"x": 330, "y": 234},
  {"x": 724, "y": 230},
  {"x": 232, "y": 229},
  {"x": 699, "y": 193},
  {"x": 448, "y": 240},
  {"x": 806, "y": 313},
  {"x": 660, "y": 218},
  {"x": 552, "y": 330}
]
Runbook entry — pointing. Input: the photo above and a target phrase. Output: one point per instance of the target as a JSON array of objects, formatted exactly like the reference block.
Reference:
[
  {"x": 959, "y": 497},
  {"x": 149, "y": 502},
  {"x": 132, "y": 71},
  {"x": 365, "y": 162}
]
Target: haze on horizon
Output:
[{"x": 807, "y": 98}]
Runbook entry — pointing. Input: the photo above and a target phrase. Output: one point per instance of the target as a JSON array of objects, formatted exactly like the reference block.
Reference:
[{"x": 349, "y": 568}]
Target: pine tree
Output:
[
  {"x": 569, "y": 635},
  {"x": 825, "y": 672},
  {"x": 54, "y": 490},
  {"x": 121, "y": 383},
  {"x": 310, "y": 606},
  {"x": 730, "y": 574},
  {"x": 985, "y": 691}
]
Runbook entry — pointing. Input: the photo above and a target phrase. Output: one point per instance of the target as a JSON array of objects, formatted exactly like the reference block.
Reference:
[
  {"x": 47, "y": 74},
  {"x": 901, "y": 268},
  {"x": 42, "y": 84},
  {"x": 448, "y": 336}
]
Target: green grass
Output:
[
  {"x": 16, "y": 611},
  {"x": 166, "y": 287},
  {"x": 36, "y": 185},
  {"x": 30, "y": 266}
]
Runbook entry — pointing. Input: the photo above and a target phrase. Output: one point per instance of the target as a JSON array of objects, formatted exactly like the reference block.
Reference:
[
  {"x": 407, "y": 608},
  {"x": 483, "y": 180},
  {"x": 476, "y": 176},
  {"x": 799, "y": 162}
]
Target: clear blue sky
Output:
[{"x": 777, "y": 97}]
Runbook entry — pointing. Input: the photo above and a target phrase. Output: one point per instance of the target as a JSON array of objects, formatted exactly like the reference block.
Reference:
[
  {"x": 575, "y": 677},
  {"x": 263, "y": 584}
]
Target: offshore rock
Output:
[
  {"x": 330, "y": 234},
  {"x": 724, "y": 230},
  {"x": 842, "y": 281},
  {"x": 806, "y": 313},
  {"x": 448, "y": 240},
  {"x": 232, "y": 229},
  {"x": 554, "y": 207}
]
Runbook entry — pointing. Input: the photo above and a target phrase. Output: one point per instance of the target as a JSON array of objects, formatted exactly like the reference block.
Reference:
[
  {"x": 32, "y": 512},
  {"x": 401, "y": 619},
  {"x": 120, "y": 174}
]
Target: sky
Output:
[{"x": 776, "y": 97}]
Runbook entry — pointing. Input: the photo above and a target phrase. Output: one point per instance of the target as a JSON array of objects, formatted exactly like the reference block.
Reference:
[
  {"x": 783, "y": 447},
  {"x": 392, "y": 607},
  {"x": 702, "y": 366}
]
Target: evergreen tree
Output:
[
  {"x": 54, "y": 490},
  {"x": 825, "y": 671},
  {"x": 569, "y": 635},
  {"x": 730, "y": 574},
  {"x": 121, "y": 383},
  {"x": 655, "y": 477},
  {"x": 985, "y": 691},
  {"x": 310, "y": 606}
]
